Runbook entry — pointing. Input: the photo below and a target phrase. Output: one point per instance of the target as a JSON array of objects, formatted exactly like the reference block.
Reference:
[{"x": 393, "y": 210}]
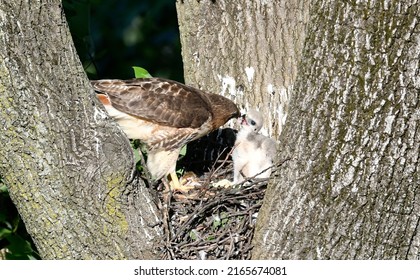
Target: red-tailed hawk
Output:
[
  {"x": 163, "y": 114},
  {"x": 253, "y": 153}
]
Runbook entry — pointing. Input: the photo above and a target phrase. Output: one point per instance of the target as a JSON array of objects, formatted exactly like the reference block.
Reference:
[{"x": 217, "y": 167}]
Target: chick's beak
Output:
[{"x": 243, "y": 120}]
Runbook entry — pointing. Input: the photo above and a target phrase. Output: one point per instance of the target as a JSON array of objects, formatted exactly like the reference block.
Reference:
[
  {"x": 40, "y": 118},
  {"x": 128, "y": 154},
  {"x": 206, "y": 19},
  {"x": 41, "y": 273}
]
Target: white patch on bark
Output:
[
  {"x": 388, "y": 124},
  {"x": 149, "y": 203},
  {"x": 282, "y": 107},
  {"x": 196, "y": 57},
  {"x": 97, "y": 142},
  {"x": 99, "y": 114},
  {"x": 250, "y": 71},
  {"x": 319, "y": 253},
  {"x": 270, "y": 89},
  {"x": 265, "y": 236},
  {"x": 2, "y": 18},
  {"x": 228, "y": 84},
  {"x": 282, "y": 115},
  {"x": 349, "y": 177}
]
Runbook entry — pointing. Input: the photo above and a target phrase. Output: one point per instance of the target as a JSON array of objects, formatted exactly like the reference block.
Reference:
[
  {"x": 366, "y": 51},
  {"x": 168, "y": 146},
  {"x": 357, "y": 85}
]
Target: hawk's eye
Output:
[{"x": 253, "y": 123}]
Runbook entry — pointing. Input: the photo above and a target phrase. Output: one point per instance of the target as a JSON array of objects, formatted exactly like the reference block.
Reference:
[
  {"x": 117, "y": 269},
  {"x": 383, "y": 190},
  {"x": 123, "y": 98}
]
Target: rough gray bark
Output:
[
  {"x": 245, "y": 50},
  {"x": 351, "y": 187},
  {"x": 65, "y": 163}
]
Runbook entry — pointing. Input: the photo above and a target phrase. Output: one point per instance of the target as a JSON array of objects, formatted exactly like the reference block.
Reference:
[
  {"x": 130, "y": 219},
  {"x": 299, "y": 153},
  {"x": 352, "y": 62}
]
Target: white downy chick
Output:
[{"x": 253, "y": 153}]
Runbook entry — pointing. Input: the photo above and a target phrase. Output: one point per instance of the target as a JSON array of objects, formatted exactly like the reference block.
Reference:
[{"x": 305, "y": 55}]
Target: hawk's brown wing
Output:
[{"x": 157, "y": 100}]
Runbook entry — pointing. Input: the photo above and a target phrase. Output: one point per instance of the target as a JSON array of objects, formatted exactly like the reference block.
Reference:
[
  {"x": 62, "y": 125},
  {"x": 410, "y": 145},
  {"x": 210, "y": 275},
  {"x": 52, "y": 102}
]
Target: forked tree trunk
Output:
[
  {"x": 66, "y": 164},
  {"x": 351, "y": 189}
]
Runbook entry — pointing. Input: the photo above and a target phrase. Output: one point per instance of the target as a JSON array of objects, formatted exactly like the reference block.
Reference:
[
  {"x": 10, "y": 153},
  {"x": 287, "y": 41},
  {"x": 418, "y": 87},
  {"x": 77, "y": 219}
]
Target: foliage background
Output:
[
  {"x": 110, "y": 37},
  {"x": 113, "y": 36}
]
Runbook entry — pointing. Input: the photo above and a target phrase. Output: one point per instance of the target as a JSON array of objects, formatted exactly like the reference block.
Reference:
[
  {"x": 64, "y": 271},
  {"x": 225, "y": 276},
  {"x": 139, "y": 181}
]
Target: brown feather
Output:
[
  {"x": 162, "y": 101},
  {"x": 164, "y": 114}
]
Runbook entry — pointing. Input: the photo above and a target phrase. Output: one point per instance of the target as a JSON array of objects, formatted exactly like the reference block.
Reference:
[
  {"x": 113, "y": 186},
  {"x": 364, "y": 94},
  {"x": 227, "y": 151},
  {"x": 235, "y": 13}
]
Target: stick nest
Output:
[{"x": 212, "y": 222}]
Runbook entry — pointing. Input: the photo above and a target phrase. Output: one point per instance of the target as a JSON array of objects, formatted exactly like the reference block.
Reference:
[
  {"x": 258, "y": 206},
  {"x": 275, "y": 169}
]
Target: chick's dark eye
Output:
[{"x": 253, "y": 123}]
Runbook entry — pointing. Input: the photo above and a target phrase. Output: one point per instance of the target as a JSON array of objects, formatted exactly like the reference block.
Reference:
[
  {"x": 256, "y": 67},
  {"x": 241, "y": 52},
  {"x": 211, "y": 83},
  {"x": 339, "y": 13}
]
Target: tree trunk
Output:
[
  {"x": 65, "y": 163},
  {"x": 245, "y": 50},
  {"x": 351, "y": 187}
]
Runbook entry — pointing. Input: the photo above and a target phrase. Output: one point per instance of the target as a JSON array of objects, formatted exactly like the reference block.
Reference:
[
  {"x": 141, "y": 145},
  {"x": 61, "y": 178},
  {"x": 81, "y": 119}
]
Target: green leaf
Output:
[
  {"x": 180, "y": 171},
  {"x": 220, "y": 221},
  {"x": 210, "y": 237},
  {"x": 141, "y": 72},
  {"x": 19, "y": 248},
  {"x": 193, "y": 235},
  {"x": 136, "y": 153},
  {"x": 3, "y": 188},
  {"x": 4, "y": 232},
  {"x": 183, "y": 151}
]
